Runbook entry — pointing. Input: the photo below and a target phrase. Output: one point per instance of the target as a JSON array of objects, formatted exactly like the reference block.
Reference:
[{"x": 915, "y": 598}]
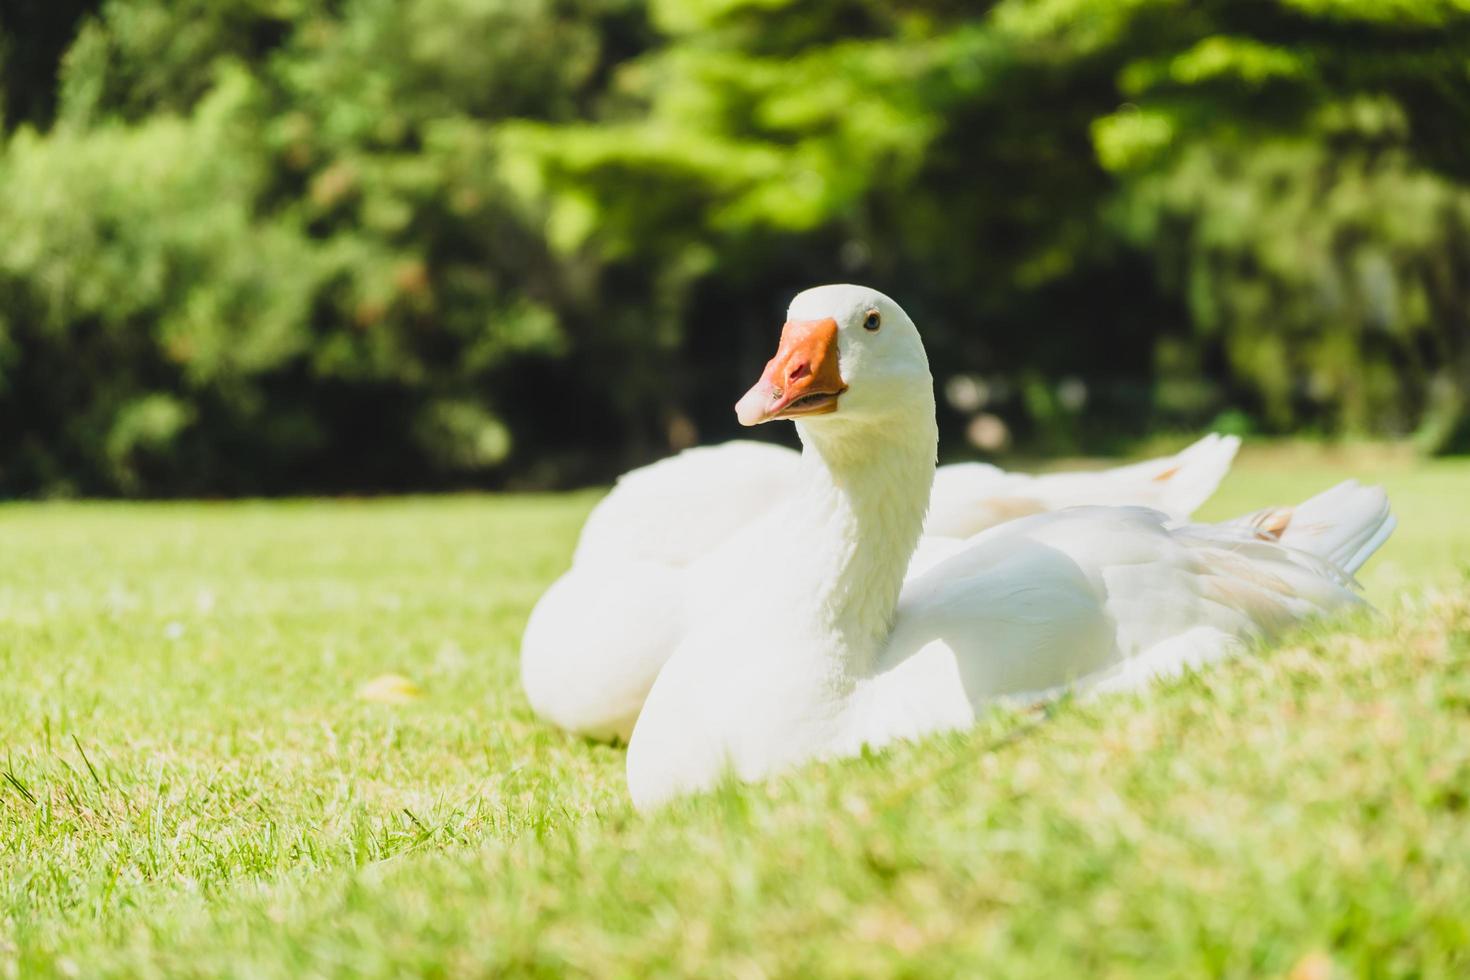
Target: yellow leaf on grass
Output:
[{"x": 390, "y": 689}]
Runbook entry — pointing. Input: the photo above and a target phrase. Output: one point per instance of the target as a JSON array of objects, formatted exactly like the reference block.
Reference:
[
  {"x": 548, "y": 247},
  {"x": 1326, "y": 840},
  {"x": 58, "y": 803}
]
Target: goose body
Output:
[
  {"x": 807, "y": 642},
  {"x": 651, "y": 549}
]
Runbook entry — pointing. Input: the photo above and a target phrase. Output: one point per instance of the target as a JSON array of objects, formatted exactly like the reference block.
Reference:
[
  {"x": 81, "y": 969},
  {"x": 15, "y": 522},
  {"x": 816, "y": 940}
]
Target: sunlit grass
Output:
[{"x": 192, "y": 784}]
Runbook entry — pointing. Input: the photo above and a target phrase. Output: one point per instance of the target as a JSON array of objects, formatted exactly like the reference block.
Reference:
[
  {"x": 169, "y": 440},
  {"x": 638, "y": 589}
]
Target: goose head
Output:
[{"x": 848, "y": 356}]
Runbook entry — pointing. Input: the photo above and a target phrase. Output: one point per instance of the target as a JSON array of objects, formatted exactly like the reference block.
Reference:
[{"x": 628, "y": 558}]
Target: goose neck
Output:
[{"x": 860, "y": 513}]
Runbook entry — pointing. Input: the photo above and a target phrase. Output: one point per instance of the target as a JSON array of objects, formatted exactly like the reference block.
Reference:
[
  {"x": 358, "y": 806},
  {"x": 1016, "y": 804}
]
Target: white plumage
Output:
[
  {"x": 799, "y": 637},
  {"x": 599, "y": 636}
]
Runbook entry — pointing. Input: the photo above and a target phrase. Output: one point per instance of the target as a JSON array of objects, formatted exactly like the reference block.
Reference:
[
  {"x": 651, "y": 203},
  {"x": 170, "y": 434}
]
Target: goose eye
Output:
[{"x": 873, "y": 320}]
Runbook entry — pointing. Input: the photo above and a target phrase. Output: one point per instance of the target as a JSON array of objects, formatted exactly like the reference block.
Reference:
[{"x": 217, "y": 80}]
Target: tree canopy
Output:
[{"x": 285, "y": 245}]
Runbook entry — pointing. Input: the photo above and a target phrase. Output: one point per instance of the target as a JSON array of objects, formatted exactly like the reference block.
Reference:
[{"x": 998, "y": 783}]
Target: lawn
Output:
[{"x": 205, "y": 773}]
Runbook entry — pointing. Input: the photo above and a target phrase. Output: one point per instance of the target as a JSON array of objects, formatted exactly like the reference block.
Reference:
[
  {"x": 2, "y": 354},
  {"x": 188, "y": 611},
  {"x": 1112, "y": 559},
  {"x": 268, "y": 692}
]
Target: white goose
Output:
[
  {"x": 598, "y": 637},
  {"x": 807, "y": 643}
]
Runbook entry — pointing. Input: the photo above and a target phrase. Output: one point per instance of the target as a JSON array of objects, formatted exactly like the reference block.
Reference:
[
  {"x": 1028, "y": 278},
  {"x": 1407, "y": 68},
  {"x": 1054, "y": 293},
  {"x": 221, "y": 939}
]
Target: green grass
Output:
[{"x": 190, "y": 784}]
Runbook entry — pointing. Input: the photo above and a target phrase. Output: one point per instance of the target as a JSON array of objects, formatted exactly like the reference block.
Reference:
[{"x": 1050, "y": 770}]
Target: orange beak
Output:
[{"x": 801, "y": 380}]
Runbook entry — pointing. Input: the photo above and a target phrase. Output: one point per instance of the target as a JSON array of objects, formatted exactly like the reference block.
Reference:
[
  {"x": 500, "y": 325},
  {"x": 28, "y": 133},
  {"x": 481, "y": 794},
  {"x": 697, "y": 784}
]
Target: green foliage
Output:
[
  {"x": 418, "y": 243},
  {"x": 136, "y": 260},
  {"x": 287, "y": 225},
  {"x": 1338, "y": 283},
  {"x": 985, "y": 165}
]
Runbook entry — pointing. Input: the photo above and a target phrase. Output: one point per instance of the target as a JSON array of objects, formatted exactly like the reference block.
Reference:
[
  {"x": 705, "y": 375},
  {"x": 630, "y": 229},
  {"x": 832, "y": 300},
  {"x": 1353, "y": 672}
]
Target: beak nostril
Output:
[{"x": 801, "y": 380}]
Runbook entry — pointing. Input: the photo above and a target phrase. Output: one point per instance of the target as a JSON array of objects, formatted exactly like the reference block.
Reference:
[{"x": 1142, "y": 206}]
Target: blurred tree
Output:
[
  {"x": 33, "y": 37},
  {"x": 297, "y": 244},
  {"x": 1035, "y": 184},
  {"x": 1300, "y": 189},
  {"x": 266, "y": 247}
]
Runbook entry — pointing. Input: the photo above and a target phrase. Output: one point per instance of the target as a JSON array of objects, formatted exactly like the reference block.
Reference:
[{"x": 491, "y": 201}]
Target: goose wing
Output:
[
  {"x": 680, "y": 509},
  {"x": 1111, "y": 597}
]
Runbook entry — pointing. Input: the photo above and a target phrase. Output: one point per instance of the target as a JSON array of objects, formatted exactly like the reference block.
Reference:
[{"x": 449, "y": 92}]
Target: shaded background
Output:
[{"x": 304, "y": 246}]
